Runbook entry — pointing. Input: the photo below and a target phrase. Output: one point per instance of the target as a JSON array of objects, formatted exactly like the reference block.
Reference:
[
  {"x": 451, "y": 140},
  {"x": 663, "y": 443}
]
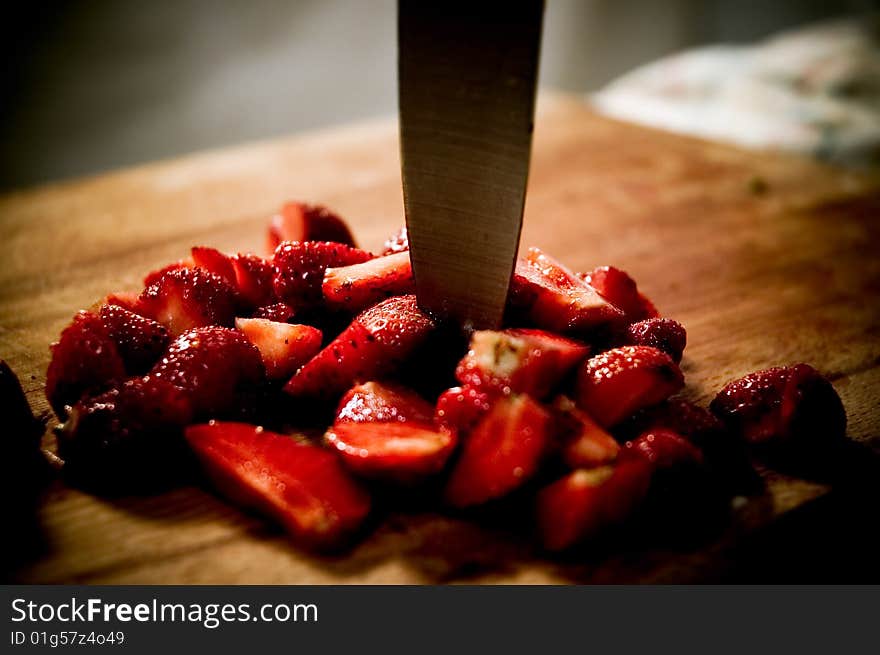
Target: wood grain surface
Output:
[{"x": 765, "y": 259}]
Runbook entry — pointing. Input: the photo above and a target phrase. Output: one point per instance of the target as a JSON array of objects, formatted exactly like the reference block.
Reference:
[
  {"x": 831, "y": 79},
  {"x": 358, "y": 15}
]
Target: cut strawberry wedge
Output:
[
  {"x": 283, "y": 347},
  {"x": 377, "y": 402},
  {"x": 186, "y": 298},
  {"x": 300, "y": 265},
  {"x": 402, "y": 452},
  {"x": 584, "y": 443},
  {"x": 377, "y": 342},
  {"x": 615, "y": 384},
  {"x": 461, "y": 408},
  {"x": 587, "y": 501},
  {"x": 521, "y": 361},
  {"x": 503, "y": 451},
  {"x": 618, "y": 288},
  {"x": 303, "y": 487},
  {"x": 352, "y": 288},
  {"x": 556, "y": 299},
  {"x": 663, "y": 449},
  {"x": 300, "y": 222},
  {"x": 254, "y": 279},
  {"x": 154, "y": 276},
  {"x": 214, "y": 261},
  {"x": 139, "y": 340}
]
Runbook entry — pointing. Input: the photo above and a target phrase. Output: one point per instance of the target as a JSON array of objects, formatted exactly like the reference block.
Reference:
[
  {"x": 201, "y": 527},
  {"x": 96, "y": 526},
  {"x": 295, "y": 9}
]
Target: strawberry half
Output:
[
  {"x": 254, "y": 279},
  {"x": 376, "y": 342},
  {"x": 300, "y": 222},
  {"x": 461, "y": 408},
  {"x": 154, "y": 276},
  {"x": 377, "y": 402},
  {"x": 660, "y": 333},
  {"x": 620, "y": 290},
  {"x": 398, "y": 451},
  {"x": 214, "y": 261},
  {"x": 352, "y": 288},
  {"x": 283, "y": 347},
  {"x": 782, "y": 405},
  {"x": 617, "y": 383},
  {"x": 584, "y": 443},
  {"x": 129, "y": 300},
  {"x": 85, "y": 360},
  {"x": 139, "y": 340},
  {"x": 186, "y": 298},
  {"x": 556, "y": 299},
  {"x": 300, "y": 265},
  {"x": 397, "y": 242},
  {"x": 663, "y": 449},
  {"x": 520, "y": 361},
  {"x": 278, "y": 312},
  {"x": 301, "y": 486},
  {"x": 212, "y": 366},
  {"x": 504, "y": 450},
  {"x": 588, "y": 501}
]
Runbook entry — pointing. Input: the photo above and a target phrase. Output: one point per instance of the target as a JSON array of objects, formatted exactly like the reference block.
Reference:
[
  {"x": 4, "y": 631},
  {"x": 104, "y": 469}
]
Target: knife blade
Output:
[{"x": 467, "y": 74}]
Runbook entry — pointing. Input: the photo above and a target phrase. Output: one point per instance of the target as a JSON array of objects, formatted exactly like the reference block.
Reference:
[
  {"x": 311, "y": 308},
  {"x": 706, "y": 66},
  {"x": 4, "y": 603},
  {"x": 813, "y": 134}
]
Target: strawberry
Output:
[
  {"x": 620, "y": 290},
  {"x": 461, "y": 408},
  {"x": 139, "y": 340},
  {"x": 300, "y": 222},
  {"x": 377, "y": 402},
  {"x": 211, "y": 366},
  {"x": 504, "y": 450},
  {"x": 187, "y": 298},
  {"x": 615, "y": 384},
  {"x": 397, "y": 242},
  {"x": 278, "y": 312},
  {"x": 300, "y": 266},
  {"x": 126, "y": 437},
  {"x": 660, "y": 333},
  {"x": 781, "y": 406},
  {"x": 554, "y": 298},
  {"x": 85, "y": 360},
  {"x": 254, "y": 279},
  {"x": 663, "y": 449},
  {"x": 376, "y": 342},
  {"x": 584, "y": 443},
  {"x": 588, "y": 501},
  {"x": 154, "y": 276},
  {"x": 214, "y": 261},
  {"x": 302, "y": 486},
  {"x": 520, "y": 361},
  {"x": 283, "y": 347},
  {"x": 352, "y": 288},
  {"x": 397, "y": 451},
  {"x": 129, "y": 300}
]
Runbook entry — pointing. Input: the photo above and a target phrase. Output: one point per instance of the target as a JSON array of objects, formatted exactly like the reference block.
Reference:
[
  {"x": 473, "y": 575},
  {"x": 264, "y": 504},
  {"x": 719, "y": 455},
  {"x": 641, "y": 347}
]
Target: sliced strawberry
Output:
[
  {"x": 402, "y": 452},
  {"x": 781, "y": 406},
  {"x": 588, "y": 501},
  {"x": 126, "y": 437},
  {"x": 129, "y": 300},
  {"x": 283, "y": 347},
  {"x": 214, "y": 261},
  {"x": 300, "y": 266},
  {"x": 660, "y": 333},
  {"x": 139, "y": 340},
  {"x": 694, "y": 423},
  {"x": 663, "y": 449},
  {"x": 189, "y": 297},
  {"x": 276, "y": 312},
  {"x": 461, "y": 408},
  {"x": 556, "y": 299},
  {"x": 254, "y": 279},
  {"x": 503, "y": 451},
  {"x": 352, "y": 288},
  {"x": 301, "y": 486},
  {"x": 584, "y": 443},
  {"x": 377, "y": 402},
  {"x": 374, "y": 344},
  {"x": 300, "y": 222},
  {"x": 85, "y": 360},
  {"x": 521, "y": 361},
  {"x": 620, "y": 290},
  {"x": 617, "y": 383},
  {"x": 397, "y": 242},
  {"x": 211, "y": 366},
  {"x": 154, "y": 276}
]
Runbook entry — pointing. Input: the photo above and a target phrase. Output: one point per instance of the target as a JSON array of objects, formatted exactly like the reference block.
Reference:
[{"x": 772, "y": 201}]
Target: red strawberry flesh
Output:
[
  {"x": 186, "y": 298},
  {"x": 352, "y": 288},
  {"x": 300, "y": 266},
  {"x": 376, "y": 402},
  {"x": 301, "y": 222},
  {"x": 283, "y": 347}
]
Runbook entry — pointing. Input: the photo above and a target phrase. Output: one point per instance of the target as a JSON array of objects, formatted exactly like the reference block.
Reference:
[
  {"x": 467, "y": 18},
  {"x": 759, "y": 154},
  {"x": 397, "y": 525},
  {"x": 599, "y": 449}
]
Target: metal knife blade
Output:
[{"x": 467, "y": 75}]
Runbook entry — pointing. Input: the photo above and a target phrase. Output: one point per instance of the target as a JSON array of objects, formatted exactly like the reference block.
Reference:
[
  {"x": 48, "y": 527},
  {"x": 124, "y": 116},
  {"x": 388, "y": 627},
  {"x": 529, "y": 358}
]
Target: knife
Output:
[{"x": 467, "y": 75}]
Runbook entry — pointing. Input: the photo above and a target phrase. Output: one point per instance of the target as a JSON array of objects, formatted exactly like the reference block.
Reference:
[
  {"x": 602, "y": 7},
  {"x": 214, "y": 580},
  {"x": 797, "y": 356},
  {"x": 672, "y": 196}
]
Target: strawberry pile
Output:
[{"x": 308, "y": 384}]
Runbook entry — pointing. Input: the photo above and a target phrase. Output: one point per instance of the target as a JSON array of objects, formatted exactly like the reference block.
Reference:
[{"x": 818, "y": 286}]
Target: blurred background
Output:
[{"x": 91, "y": 86}]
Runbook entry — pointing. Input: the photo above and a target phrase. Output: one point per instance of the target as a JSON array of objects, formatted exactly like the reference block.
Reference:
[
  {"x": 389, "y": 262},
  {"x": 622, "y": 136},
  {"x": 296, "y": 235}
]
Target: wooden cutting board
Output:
[{"x": 765, "y": 259}]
